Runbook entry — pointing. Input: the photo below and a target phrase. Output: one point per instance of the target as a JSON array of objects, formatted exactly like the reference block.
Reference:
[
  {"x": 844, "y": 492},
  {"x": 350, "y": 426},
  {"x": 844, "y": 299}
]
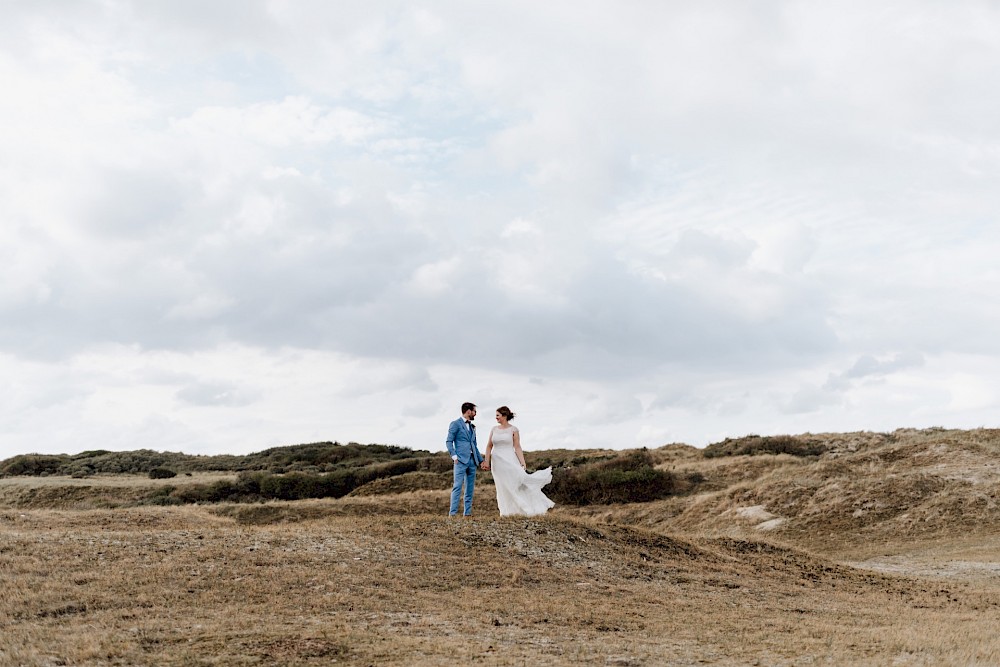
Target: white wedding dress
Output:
[{"x": 518, "y": 493}]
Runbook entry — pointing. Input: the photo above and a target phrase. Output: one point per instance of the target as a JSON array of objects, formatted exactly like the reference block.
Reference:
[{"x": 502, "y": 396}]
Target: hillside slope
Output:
[
  {"x": 867, "y": 488},
  {"x": 845, "y": 549},
  {"x": 189, "y": 585},
  {"x": 862, "y": 489}
]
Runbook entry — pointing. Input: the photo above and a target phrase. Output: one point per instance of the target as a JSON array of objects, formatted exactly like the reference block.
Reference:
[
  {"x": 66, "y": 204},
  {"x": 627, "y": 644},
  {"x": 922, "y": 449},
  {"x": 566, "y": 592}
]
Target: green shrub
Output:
[
  {"x": 90, "y": 453},
  {"x": 261, "y": 485},
  {"x": 209, "y": 493},
  {"x": 161, "y": 473},
  {"x": 31, "y": 464},
  {"x": 314, "y": 458},
  {"x": 162, "y": 500},
  {"x": 754, "y": 445},
  {"x": 292, "y": 486},
  {"x": 696, "y": 477},
  {"x": 248, "y": 483},
  {"x": 629, "y": 478},
  {"x": 163, "y": 496},
  {"x": 439, "y": 463},
  {"x": 411, "y": 481}
]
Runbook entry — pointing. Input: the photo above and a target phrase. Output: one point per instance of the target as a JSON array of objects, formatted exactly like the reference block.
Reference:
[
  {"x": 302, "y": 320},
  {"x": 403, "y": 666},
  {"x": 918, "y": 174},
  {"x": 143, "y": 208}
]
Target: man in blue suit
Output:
[{"x": 466, "y": 457}]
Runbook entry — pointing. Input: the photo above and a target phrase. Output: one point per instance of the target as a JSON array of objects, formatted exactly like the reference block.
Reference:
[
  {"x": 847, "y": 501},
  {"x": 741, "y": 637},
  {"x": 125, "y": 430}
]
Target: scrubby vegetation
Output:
[
  {"x": 752, "y": 445},
  {"x": 31, "y": 464},
  {"x": 411, "y": 481},
  {"x": 320, "y": 457},
  {"x": 334, "y": 470},
  {"x": 628, "y": 478},
  {"x": 254, "y": 486},
  {"x": 564, "y": 458}
]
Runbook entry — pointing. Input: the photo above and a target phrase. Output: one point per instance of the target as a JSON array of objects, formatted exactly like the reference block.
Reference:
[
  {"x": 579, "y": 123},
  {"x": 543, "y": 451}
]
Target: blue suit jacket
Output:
[{"x": 462, "y": 444}]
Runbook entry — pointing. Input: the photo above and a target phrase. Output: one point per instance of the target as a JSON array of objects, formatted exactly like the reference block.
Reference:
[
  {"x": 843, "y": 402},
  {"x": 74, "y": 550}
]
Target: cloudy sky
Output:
[{"x": 237, "y": 224}]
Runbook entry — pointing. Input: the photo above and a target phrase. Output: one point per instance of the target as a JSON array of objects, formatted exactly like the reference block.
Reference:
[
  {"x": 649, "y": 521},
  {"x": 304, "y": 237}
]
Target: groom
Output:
[{"x": 465, "y": 456}]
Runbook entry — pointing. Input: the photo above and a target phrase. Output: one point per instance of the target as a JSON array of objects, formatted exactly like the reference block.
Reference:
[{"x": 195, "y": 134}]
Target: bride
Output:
[{"x": 518, "y": 493}]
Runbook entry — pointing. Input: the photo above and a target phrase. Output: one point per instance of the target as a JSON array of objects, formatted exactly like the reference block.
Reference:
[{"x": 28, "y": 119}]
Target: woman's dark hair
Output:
[{"x": 505, "y": 411}]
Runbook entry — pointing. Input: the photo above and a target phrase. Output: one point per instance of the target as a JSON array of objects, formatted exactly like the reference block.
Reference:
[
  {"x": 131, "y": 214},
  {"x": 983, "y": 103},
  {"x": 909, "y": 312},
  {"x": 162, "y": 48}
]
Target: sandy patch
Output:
[{"x": 756, "y": 513}]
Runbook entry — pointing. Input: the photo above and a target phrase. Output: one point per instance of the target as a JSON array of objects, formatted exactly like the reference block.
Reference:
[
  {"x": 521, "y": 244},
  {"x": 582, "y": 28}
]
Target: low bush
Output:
[
  {"x": 411, "y": 481},
  {"x": 314, "y": 458},
  {"x": 163, "y": 496},
  {"x": 561, "y": 458},
  {"x": 253, "y": 486},
  {"x": 438, "y": 463},
  {"x": 696, "y": 477},
  {"x": 161, "y": 473},
  {"x": 208, "y": 493},
  {"x": 754, "y": 445},
  {"x": 90, "y": 453},
  {"x": 31, "y": 464},
  {"x": 629, "y": 478}
]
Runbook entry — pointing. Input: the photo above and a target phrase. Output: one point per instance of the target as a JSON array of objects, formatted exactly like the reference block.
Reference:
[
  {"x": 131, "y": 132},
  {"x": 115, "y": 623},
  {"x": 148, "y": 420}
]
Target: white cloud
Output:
[
  {"x": 216, "y": 394},
  {"x": 867, "y": 365},
  {"x": 294, "y": 120},
  {"x": 971, "y": 392},
  {"x": 200, "y": 307},
  {"x": 435, "y": 278},
  {"x": 757, "y": 218},
  {"x": 367, "y": 377}
]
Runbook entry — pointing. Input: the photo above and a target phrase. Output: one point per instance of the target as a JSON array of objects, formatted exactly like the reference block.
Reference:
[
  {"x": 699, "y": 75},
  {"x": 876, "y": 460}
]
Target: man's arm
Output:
[{"x": 450, "y": 442}]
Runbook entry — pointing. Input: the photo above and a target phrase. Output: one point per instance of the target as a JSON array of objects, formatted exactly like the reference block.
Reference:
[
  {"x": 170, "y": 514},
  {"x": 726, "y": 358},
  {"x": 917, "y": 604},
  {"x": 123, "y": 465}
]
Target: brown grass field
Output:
[{"x": 883, "y": 551}]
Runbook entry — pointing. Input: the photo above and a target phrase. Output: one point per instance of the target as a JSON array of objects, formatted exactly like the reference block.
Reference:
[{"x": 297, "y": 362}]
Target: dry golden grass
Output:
[
  {"x": 904, "y": 488},
  {"x": 388, "y": 580},
  {"x": 99, "y": 491},
  {"x": 411, "y": 481},
  {"x": 314, "y": 582}
]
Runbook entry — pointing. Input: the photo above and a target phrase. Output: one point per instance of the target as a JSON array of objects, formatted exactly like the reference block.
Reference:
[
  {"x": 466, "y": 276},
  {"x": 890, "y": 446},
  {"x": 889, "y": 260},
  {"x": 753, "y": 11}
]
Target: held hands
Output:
[{"x": 485, "y": 465}]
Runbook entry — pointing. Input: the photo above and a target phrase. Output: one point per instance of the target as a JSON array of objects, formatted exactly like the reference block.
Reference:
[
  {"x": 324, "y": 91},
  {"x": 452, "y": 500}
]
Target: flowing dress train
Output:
[{"x": 518, "y": 493}]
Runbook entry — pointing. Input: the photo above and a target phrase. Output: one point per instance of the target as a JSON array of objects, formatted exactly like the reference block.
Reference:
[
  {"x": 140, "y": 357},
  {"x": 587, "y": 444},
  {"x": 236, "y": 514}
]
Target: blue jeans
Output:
[{"x": 465, "y": 473}]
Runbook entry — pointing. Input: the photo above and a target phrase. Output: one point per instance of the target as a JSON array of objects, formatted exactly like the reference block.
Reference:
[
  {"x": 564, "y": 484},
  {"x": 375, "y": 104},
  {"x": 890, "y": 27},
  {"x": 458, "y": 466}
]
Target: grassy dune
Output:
[{"x": 880, "y": 551}]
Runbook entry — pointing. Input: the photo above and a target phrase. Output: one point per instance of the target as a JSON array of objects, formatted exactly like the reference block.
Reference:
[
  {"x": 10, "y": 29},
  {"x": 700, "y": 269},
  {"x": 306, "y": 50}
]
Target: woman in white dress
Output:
[{"x": 518, "y": 493}]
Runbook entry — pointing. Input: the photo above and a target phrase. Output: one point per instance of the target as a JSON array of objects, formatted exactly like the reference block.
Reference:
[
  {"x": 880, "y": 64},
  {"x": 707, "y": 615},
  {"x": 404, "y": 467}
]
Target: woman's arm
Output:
[
  {"x": 517, "y": 449},
  {"x": 489, "y": 450}
]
